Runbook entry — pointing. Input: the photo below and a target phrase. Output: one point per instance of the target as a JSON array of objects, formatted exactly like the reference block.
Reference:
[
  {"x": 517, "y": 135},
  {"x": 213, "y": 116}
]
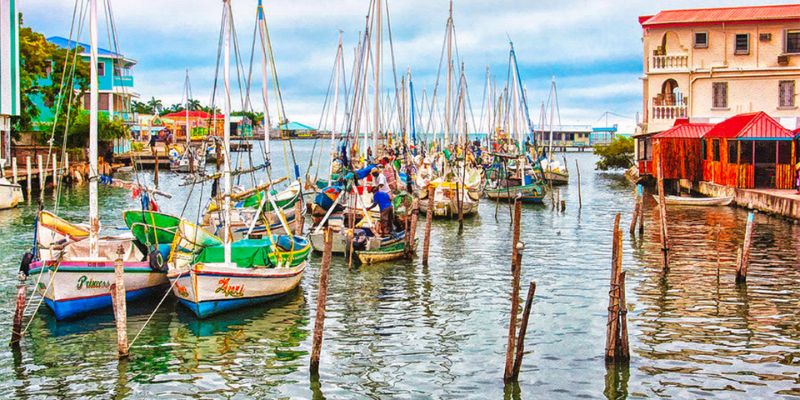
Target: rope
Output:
[{"x": 149, "y": 318}]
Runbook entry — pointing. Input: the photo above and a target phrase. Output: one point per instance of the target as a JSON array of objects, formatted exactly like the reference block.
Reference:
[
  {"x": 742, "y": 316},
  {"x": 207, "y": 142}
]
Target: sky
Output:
[{"x": 592, "y": 48}]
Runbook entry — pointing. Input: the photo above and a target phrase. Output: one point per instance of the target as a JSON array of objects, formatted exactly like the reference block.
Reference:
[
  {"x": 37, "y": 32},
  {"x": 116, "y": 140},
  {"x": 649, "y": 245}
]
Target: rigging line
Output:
[
  {"x": 59, "y": 98},
  {"x": 438, "y": 75},
  {"x": 70, "y": 83},
  {"x": 483, "y": 101},
  {"x": 250, "y": 68},
  {"x": 394, "y": 69}
]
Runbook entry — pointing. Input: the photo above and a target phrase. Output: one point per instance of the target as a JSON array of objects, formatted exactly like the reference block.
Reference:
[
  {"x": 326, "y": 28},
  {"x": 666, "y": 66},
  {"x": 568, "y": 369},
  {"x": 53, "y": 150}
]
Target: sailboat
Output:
[
  {"x": 72, "y": 264},
  {"x": 188, "y": 160},
  {"x": 517, "y": 177},
  {"x": 458, "y": 186},
  {"x": 553, "y": 171},
  {"x": 211, "y": 274},
  {"x": 10, "y": 194}
]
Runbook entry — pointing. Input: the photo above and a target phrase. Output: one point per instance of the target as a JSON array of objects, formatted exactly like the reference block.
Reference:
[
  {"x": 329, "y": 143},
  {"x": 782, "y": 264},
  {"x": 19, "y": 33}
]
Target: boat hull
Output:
[
  {"x": 696, "y": 201},
  {"x": 79, "y": 288},
  {"x": 214, "y": 288},
  {"x": 10, "y": 195},
  {"x": 340, "y": 241}
]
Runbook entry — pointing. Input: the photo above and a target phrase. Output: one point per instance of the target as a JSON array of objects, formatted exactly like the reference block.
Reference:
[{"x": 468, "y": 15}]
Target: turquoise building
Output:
[
  {"x": 115, "y": 82},
  {"x": 9, "y": 73}
]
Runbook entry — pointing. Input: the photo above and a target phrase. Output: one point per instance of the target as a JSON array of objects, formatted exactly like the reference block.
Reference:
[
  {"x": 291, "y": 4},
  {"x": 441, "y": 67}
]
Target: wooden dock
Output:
[{"x": 782, "y": 202}]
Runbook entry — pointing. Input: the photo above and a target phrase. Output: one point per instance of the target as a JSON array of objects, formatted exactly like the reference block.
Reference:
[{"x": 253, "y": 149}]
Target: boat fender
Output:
[
  {"x": 156, "y": 261},
  {"x": 25, "y": 265}
]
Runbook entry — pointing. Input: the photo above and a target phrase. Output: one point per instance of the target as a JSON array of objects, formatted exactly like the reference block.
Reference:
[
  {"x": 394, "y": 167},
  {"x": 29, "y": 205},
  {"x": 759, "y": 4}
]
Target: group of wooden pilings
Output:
[
  {"x": 743, "y": 253},
  {"x": 515, "y": 348},
  {"x": 44, "y": 169},
  {"x": 617, "y": 349}
]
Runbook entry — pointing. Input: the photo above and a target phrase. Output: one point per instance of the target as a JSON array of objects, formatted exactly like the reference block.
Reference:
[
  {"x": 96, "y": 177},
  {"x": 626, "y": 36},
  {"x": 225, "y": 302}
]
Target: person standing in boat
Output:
[
  {"x": 797, "y": 172},
  {"x": 384, "y": 203}
]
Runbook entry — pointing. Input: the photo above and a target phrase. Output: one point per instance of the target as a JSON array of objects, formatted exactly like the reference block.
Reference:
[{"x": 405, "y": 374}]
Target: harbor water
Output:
[{"x": 404, "y": 330}]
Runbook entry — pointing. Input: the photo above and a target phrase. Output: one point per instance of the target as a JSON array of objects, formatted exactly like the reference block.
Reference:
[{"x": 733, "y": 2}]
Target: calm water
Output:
[{"x": 408, "y": 331}]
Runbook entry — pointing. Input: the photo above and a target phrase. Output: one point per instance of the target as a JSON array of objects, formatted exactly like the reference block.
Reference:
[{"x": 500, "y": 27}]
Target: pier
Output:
[{"x": 781, "y": 202}]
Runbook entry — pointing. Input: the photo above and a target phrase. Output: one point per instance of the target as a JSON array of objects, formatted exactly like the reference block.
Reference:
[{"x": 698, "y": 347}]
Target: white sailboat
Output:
[
  {"x": 207, "y": 277},
  {"x": 73, "y": 265}
]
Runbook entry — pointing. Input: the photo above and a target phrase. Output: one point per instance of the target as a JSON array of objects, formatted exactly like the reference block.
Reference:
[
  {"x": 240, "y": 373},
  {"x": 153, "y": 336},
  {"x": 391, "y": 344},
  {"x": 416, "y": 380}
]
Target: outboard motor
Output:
[{"x": 25, "y": 264}]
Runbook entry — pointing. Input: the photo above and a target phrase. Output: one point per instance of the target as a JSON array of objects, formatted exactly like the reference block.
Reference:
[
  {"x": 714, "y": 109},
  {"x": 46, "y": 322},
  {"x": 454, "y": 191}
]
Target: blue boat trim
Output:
[
  {"x": 208, "y": 308},
  {"x": 73, "y": 308}
]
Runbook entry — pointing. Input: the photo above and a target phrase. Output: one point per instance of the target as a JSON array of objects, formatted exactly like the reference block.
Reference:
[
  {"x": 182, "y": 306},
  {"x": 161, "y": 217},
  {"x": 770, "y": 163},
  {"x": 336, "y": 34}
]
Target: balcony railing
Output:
[
  {"x": 669, "y": 112},
  {"x": 670, "y": 62}
]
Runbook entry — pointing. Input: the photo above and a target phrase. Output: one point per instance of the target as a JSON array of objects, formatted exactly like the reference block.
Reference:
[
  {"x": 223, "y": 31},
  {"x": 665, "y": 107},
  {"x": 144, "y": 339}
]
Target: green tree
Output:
[
  {"x": 616, "y": 155},
  {"x": 140, "y": 107},
  {"x": 78, "y": 136},
  {"x": 195, "y": 105},
  {"x": 42, "y": 65},
  {"x": 155, "y": 105}
]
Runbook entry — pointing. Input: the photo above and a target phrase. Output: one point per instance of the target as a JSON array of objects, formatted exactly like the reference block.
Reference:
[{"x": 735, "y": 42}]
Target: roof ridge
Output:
[{"x": 728, "y": 8}]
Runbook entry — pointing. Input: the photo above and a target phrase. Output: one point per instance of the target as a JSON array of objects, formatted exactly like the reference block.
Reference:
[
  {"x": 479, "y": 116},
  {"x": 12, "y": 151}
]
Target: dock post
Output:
[
  {"x": 612, "y": 325},
  {"x": 16, "y": 330},
  {"x": 55, "y": 175},
  {"x": 14, "y": 169},
  {"x": 516, "y": 261},
  {"x": 637, "y": 208},
  {"x": 119, "y": 303},
  {"x": 428, "y": 221},
  {"x": 65, "y": 167},
  {"x": 741, "y": 267},
  {"x": 662, "y": 211},
  {"x": 580, "y": 198},
  {"x": 42, "y": 176},
  {"x": 28, "y": 170},
  {"x": 299, "y": 219},
  {"x": 412, "y": 233},
  {"x": 640, "y": 192},
  {"x": 523, "y": 329},
  {"x": 155, "y": 159},
  {"x": 322, "y": 298}
]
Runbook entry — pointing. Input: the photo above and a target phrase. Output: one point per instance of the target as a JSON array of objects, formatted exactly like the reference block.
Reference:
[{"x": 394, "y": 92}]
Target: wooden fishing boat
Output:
[
  {"x": 151, "y": 227},
  {"x": 446, "y": 198},
  {"x": 532, "y": 194},
  {"x": 388, "y": 253},
  {"x": 696, "y": 201},
  {"x": 556, "y": 177},
  {"x": 260, "y": 269},
  {"x": 74, "y": 284}
]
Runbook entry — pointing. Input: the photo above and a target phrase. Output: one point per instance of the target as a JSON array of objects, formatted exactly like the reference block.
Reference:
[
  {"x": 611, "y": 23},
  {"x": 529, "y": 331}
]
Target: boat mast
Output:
[
  {"x": 188, "y": 134},
  {"x": 447, "y": 111},
  {"x": 226, "y": 176},
  {"x": 377, "y": 121},
  {"x": 552, "y": 118},
  {"x": 94, "y": 221},
  {"x": 339, "y": 64},
  {"x": 262, "y": 27}
]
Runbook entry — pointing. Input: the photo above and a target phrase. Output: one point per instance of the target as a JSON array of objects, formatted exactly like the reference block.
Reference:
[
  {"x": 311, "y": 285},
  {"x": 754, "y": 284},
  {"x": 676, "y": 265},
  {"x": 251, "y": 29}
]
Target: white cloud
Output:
[{"x": 593, "y": 47}]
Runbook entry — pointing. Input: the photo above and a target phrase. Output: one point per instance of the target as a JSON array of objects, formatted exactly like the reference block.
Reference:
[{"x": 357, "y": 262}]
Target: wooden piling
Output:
[
  {"x": 412, "y": 234},
  {"x": 55, "y": 175},
  {"x": 662, "y": 212},
  {"x": 636, "y": 210},
  {"x": 612, "y": 325},
  {"x": 563, "y": 205},
  {"x": 119, "y": 303},
  {"x": 155, "y": 172},
  {"x": 30, "y": 174},
  {"x": 523, "y": 329},
  {"x": 623, "y": 350},
  {"x": 428, "y": 221},
  {"x": 640, "y": 192},
  {"x": 322, "y": 298},
  {"x": 42, "y": 178},
  {"x": 14, "y": 169},
  {"x": 299, "y": 219},
  {"x": 580, "y": 198},
  {"x": 744, "y": 259},
  {"x": 515, "y": 276},
  {"x": 65, "y": 166},
  {"x": 16, "y": 330}
]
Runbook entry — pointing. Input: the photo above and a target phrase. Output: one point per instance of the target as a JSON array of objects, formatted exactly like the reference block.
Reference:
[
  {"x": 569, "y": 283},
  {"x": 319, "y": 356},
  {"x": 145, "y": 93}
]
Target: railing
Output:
[
  {"x": 669, "y": 112},
  {"x": 670, "y": 62}
]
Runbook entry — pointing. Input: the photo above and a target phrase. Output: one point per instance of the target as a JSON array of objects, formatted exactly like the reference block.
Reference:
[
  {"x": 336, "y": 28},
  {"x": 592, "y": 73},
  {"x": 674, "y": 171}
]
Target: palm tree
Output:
[
  {"x": 140, "y": 107},
  {"x": 155, "y": 105},
  {"x": 194, "y": 105}
]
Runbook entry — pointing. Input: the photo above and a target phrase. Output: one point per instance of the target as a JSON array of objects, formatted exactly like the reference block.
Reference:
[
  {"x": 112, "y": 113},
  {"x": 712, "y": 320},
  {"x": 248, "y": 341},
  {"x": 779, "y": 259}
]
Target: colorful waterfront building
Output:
[
  {"x": 115, "y": 82},
  {"x": 709, "y": 65},
  {"x": 9, "y": 74}
]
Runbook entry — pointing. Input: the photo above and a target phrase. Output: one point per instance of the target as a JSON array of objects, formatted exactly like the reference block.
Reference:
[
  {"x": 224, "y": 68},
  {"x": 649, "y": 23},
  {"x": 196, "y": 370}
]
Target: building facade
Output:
[
  {"x": 711, "y": 64},
  {"x": 9, "y": 74},
  {"x": 115, "y": 83}
]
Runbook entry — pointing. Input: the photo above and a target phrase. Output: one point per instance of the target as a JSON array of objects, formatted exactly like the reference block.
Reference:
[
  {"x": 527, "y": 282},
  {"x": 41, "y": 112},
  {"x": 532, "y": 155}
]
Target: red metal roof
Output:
[
  {"x": 683, "y": 129},
  {"x": 711, "y": 16},
  {"x": 750, "y": 126},
  {"x": 192, "y": 114}
]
